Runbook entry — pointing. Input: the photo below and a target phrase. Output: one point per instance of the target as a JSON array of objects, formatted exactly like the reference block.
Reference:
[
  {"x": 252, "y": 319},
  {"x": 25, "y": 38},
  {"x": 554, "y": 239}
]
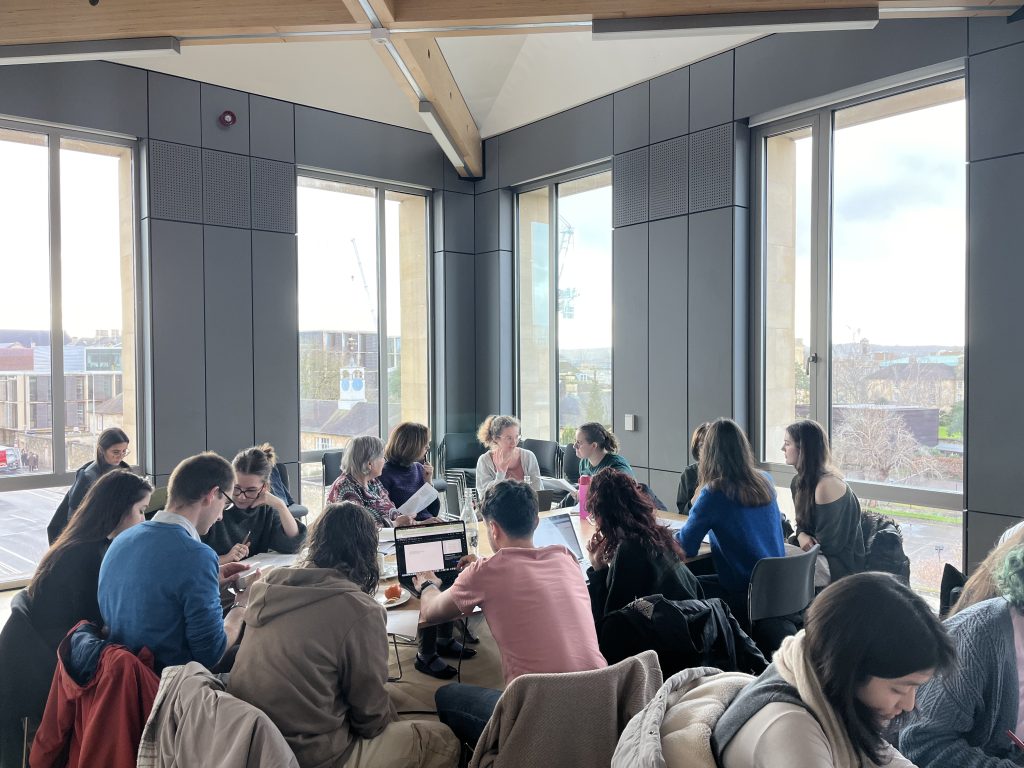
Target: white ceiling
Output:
[{"x": 507, "y": 80}]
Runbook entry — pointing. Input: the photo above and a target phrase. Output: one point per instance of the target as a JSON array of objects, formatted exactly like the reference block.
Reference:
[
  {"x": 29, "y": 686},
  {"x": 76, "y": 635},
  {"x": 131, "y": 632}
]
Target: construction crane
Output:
[
  {"x": 366, "y": 286},
  {"x": 565, "y": 296}
]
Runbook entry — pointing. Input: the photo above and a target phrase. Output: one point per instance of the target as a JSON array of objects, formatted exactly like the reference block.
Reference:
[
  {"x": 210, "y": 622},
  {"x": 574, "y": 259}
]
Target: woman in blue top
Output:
[{"x": 736, "y": 503}]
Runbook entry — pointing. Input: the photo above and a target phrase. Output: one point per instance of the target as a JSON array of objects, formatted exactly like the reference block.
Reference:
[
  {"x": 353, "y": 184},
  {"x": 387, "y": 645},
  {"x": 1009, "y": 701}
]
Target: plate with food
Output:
[{"x": 392, "y": 596}]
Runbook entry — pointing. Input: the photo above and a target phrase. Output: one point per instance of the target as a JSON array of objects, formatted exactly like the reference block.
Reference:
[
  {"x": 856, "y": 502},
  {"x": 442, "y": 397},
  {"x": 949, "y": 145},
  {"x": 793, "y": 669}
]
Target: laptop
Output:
[
  {"x": 560, "y": 529},
  {"x": 436, "y": 547}
]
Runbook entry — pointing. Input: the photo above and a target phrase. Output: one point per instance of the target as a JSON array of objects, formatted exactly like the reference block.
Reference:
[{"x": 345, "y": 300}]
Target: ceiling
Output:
[{"x": 506, "y": 80}]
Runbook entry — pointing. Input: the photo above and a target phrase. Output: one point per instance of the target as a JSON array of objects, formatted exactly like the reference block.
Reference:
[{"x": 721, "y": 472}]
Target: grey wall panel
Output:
[
  {"x": 452, "y": 181},
  {"x": 710, "y": 317},
  {"x": 352, "y": 145},
  {"x": 213, "y": 101},
  {"x": 669, "y": 178},
  {"x": 986, "y": 33},
  {"x": 630, "y": 187},
  {"x": 670, "y": 105},
  {"x": 506, "y": 330},
  {"x": 460, "y": 342},
  {"x": 494, "y": 221},
  {"x": 459, "y": 223},
  {"x": 995, "y": 361},
  {"x": 665, "y": 486},
  {"x": 781, "y": 70},
  {"x": 711, "y": 91},
  {"x": 643, "y": 475},
  {"x": 437, "y": 219},
  {"x": 174, "y": 173},
  {"x": 632, "y": 117},
  {"x": 275, "y": 333},
  {"x": 174, "y": 110},
  {"x": 741, "y": 163},
  {"x": 86, "y": 94},
  {"x": 273, "y": 195},
  {"x": 271, "y": 129},
  {"x": 567, "y": 140},
  {"x": 982, "y": 532},
  {"x": 226, "y": 183},
  {"x": 666, "y": 304},
  {"x": 996, "y": 103},
  {"x": 227, "y": 259},
  {"x": 492, "y": 156},
  {"x": 741, "y": 301},
  {"x": 629, "y": 340},
  {"x": 711, "y": 171},
  {"x": 488, "y": 332},
  {"x": 179, "y": 367}
]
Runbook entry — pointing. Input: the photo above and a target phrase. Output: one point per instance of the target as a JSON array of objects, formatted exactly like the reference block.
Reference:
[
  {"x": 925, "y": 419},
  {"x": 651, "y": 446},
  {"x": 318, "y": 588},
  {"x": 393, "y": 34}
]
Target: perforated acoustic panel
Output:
[
  {"x": 225, "y": 189},
  {"x": 711, "y": 169},
  {"x": 273, "y": 196},
  {"x": 629, "y": 188},
  {"x": 175, "y": 182},
  {"x": 669, "y": 161}
]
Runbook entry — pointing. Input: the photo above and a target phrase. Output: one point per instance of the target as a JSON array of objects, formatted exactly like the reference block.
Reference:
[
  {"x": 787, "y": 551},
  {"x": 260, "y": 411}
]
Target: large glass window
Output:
[
  {"x": 565, "y": 297},
  {"x": 363, "y": 277},
  {"x": 863, "y": 262}
]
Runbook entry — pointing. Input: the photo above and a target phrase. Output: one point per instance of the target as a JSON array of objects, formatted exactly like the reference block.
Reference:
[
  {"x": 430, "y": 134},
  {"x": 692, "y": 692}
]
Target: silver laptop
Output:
[{"x": 560, "y": 529}]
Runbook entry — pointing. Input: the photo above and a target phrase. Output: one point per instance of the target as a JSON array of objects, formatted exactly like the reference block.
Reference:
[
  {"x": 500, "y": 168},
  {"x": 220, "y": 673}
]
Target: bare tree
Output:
[{"x": 876, "y": 444}]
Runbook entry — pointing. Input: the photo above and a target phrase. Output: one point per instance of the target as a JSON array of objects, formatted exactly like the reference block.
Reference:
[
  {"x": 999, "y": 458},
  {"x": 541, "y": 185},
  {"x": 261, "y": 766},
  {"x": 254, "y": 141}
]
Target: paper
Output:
[
  {"x": 386, "y": 548},
  {"x": 405, "y": 623},
  {"x": 557, "y": 484},
  {"x": 419, "y": 501},
  {"x": 266, "y": 561}
]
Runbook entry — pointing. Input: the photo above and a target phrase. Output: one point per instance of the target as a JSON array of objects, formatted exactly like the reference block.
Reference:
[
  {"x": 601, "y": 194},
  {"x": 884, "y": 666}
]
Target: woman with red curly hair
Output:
[{"x": 632, "y": 554}]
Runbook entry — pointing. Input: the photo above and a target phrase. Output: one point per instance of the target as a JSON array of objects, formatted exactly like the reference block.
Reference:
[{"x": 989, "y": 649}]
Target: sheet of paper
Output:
[
  {"x": 419, "y": 501},
  {"x": 271, "y": 560},
  {"x": 556, "y": 484},
  {"x": 404, "y": 623}
]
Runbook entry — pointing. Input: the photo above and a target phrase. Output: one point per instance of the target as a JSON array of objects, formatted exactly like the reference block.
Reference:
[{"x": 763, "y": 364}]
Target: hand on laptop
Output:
[{"x": 419, "y": 578}]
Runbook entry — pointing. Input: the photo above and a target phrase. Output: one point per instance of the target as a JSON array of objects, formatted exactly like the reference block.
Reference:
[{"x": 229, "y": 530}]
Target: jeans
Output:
[{"x": 466, "y": 709}]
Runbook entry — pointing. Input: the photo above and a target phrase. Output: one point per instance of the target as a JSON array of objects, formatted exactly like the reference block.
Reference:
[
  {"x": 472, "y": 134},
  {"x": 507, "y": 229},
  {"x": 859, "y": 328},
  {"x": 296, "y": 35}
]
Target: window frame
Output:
[
  {"x": 54, "y": 133},
  {"x": 380, "y": 190},
  {"x": 551, "y": 183},
  {"x": 821, "y": 120}
]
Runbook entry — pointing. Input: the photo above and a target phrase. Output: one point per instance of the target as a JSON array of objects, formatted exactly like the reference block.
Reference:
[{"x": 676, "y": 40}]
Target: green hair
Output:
[{"x": 1010, "y": 577}]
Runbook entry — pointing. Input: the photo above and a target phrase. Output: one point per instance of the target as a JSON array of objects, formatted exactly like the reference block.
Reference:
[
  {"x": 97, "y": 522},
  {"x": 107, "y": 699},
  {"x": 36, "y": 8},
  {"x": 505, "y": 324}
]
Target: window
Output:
[
  {"x": 363, "y": 277},
  {"x": 862, "y": 243},
  {"x": 565, "y": 297}
]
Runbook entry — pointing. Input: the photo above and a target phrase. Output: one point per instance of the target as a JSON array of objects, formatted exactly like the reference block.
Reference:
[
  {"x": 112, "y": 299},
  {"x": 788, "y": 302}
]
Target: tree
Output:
[
  {"x": 875, "y": 444},
  {"x": 319, "y": 374},
  {"x": 595, "y": 404}
]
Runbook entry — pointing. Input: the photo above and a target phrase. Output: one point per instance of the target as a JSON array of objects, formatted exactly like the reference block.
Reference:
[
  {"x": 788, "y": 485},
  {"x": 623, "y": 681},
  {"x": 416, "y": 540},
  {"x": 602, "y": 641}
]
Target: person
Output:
[
  {"x": 688, "y": 480},
  {"x": 971, "y": 716},
  {"x": 633, "y": 555},
  {"x": 503, "y": 457},
  {"x": 597, "y": 449},
  {"x": 359, "y": 481},
  {"x": 160, "y": 585},
  {"x": 111, "y": 449},
  {"x": 737, "y": 504},
  {"x": 836, "y": 686},
  {"x": 536, "y": 604},
  {"x": 406, "y": 468},
  {"x": 323, "y": 683},
  {"x": 981, "y": 585},
  {"x": 63, "y": 592},
  {"x": 257, "y": 520},
  {"x": 827, "y": 509}
]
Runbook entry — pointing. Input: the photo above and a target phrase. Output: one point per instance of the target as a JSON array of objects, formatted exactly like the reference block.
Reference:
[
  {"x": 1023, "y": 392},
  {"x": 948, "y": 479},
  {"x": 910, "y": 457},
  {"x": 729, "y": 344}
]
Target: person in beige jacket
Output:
[{"x": 315, "y": 656}]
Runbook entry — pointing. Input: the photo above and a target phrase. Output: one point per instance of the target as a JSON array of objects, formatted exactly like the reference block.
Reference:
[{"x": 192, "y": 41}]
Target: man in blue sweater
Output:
[{"x": 160, "y": 585}]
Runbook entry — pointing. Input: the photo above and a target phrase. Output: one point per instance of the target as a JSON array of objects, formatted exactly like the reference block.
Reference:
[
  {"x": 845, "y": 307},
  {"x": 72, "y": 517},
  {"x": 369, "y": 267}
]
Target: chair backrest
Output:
[
  {"x": 780, "y": 586},
  {"x": 548, "y": 456},
  {"x": 570, "y": 464},
  {"x": 331, "y": 462},
  {"x": 950, "y": 587},
  {"x": 459, "y": 450}
]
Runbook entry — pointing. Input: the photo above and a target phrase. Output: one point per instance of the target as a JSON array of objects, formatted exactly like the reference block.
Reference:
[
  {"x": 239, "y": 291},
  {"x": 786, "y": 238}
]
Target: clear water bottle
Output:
[
  {"x": 469, "y": 518},
  {"x": 526, "y": 479}
]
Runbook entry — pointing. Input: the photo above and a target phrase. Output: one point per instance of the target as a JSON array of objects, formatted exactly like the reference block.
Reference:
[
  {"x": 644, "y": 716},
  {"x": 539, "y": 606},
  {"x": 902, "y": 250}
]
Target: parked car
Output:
[{"x": 10, "y": 459}]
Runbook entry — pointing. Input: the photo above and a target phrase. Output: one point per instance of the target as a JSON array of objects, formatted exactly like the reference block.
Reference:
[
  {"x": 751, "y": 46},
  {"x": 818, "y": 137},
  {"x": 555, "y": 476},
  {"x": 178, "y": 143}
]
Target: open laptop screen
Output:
[
  {"x": 434, "y": 547},
  {"x": 558, "y": 529}
]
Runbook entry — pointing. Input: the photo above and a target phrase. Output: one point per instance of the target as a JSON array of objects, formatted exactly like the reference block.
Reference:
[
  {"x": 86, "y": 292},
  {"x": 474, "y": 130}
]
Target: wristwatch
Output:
[{"x": 429, "y": 583}]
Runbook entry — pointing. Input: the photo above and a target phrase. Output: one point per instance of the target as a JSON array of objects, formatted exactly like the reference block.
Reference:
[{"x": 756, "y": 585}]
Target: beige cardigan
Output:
[{"x": 567, "y": 719}]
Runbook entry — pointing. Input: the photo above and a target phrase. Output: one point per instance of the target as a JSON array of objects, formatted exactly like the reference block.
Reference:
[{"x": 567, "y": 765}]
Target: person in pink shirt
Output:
[{"x": 535, "y": 600}]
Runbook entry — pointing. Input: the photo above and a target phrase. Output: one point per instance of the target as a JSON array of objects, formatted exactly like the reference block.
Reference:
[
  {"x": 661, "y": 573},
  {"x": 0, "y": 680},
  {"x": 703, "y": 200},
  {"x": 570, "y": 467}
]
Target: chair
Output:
[
  {"x": 458, "y": 451},
  {"x": 950, "y": 587},
  {"x": 331, "y": 462},
  {"x": 548, "y": 454},
  {"x": 570, "y": 464},
  {"x": 782, "y": 586},
  {"x": 280, "y": 473},
  {"x": 157, "y": 501}
]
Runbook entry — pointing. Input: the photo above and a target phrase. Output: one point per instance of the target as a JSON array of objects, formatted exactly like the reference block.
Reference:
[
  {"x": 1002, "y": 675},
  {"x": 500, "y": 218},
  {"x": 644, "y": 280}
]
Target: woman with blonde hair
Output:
[
  {"x": 359, "y": 481},
  {"x": 982, "y": 584},
  {"x": 504, "y": 459}
]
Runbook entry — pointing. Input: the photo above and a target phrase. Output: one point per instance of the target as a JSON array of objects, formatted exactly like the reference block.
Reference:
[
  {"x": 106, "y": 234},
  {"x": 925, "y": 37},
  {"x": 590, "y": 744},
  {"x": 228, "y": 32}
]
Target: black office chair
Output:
[
  {"x": 331, "y": 462},
  {"x": 548, "y": 454},
  {"x": 570, "y": 464},
  {"x": 281, "y": 472},
  {"x": 950, "y": 587},
  {"x": 458, "y": 452}
]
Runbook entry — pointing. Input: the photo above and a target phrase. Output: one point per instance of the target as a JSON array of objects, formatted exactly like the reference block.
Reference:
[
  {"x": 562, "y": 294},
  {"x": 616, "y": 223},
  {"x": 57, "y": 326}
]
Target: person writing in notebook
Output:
[{"x": 520, "y": 588}]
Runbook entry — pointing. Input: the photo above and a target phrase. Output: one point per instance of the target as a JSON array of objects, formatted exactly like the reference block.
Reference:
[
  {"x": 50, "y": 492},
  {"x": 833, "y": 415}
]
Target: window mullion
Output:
[
  {"x": 382, "y": 318},
  {"x": 553, "y": 306},
  {"x": 821, "y": 268},
  {"x": 57, "y": 397}
]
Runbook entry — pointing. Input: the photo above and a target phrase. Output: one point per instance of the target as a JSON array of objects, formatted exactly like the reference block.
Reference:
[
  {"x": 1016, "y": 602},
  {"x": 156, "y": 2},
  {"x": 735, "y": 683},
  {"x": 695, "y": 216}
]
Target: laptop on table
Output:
[
  {"x": 436, "y": 547},
  {"x": 560, "y": 529}
]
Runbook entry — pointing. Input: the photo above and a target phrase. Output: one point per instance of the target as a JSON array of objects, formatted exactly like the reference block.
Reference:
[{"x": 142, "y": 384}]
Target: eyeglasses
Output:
[
  {"x": 231, "y": 502},
  {"x": 248, "y": 493},
  {"x": 119, "y": 454}
]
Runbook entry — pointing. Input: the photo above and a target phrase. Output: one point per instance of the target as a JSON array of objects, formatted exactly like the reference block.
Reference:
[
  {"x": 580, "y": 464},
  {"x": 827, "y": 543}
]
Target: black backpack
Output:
[{"x": 883, "y": 543}]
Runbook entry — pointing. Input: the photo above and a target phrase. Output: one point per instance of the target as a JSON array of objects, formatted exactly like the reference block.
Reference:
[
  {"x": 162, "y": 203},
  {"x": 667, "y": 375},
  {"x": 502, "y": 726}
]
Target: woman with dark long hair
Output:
[
  {"x": 687, "y": 489},
  {"x": 837, "y": 686},
  {"x": 827, "y": 509},
  {"x": 322, "y": 680},
  {"x": 111, "y": 450},
  {"x": 736, "y": 504},
  {"x": 631, "y": 553},
  {"x": 63, "y": 592}
]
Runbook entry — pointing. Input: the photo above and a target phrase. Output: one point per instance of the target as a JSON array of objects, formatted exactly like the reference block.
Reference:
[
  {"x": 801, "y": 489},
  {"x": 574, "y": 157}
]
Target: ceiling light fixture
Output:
[
  {"x": 429, "y": 117},
  {"x": 88, "y": 50},
  {"x": 756, "y": 23}
]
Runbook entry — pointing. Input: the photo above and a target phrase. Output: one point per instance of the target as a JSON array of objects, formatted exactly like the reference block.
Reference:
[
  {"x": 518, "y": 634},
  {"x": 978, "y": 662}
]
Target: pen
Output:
[
  {"x": 1013, "y": 737},
  {"x": 248, "y": 537}
]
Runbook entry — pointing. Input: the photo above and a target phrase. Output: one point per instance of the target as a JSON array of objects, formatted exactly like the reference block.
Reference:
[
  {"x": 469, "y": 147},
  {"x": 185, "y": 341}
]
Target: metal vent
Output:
[
  {"x": 273, "y": 196},
  {"x": 629, "y": 188},
  {"x": 711, "y": 168},
  {"x": 175, "y": 182},
  {"x": 669, "y": 161},
  {"x": 225, "y": 189}
]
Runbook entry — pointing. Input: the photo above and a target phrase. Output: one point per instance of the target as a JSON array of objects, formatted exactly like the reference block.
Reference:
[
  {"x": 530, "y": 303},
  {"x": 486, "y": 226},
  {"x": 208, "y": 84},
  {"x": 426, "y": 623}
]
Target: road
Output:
[{"x": 23, "y": 519}]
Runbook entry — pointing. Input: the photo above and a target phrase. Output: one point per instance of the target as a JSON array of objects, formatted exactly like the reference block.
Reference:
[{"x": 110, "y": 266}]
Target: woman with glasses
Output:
[
  {"x": 597, "y": 449},
  {"x": 111, "y": 451},
  {"x": 256, "y": 521},
  {"x": 359, "y": 481},
  {"x": 504, "y": 459}
]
